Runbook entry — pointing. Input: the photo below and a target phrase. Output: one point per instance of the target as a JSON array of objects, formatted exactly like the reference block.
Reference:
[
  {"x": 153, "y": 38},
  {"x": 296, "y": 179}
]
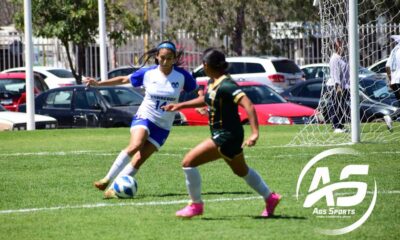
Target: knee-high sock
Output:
[
  {"x": 119, "y": 163},
  {"x": 128, "y": 170},
  {"x": 254, "y": 180},
  {"x": 193, "y": 183}
]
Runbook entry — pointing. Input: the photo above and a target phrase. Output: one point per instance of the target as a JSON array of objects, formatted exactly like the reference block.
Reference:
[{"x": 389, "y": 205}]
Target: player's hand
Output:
[
  {"x": 251, "y": 141},
  {"x": 90, "y": 81},
  {"x": 202, "y": 111},
  {"x": 170, "y": 107}
]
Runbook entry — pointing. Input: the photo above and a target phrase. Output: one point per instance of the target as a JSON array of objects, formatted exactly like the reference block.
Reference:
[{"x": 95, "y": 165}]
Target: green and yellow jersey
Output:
[{"x": 222, "y": 98}]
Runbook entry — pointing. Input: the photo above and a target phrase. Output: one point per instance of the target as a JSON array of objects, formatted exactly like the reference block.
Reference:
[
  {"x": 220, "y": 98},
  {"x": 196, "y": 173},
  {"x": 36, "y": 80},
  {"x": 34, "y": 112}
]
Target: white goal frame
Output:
[{"x": 354, "y": 60}]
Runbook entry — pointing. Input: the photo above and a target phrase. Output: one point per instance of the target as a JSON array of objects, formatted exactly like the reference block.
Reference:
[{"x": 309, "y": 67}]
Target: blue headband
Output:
[{"x": 166, "y": 45}]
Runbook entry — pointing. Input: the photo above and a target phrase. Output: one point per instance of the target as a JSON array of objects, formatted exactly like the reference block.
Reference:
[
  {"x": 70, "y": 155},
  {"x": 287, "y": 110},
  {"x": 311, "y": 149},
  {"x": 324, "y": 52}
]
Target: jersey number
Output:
[{"x": 158, "y": 105}]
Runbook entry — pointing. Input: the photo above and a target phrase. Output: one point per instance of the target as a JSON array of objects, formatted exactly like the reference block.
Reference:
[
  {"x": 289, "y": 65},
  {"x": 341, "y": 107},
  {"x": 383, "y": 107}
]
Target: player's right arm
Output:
[
  {"x": 245, "y": 102},
  {"x": 197, "y": 102},
  {"x": 110, "y": 82}
]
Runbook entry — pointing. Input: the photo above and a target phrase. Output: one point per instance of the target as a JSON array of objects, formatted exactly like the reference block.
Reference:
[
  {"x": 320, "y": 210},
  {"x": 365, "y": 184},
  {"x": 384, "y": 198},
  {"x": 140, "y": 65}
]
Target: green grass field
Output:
[{"x": 46, "y": 189}]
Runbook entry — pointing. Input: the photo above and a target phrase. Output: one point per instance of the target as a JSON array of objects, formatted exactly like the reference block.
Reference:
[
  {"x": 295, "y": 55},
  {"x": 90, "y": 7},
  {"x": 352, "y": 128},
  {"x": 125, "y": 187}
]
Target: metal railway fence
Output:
[{"x": 301, "y": 43}]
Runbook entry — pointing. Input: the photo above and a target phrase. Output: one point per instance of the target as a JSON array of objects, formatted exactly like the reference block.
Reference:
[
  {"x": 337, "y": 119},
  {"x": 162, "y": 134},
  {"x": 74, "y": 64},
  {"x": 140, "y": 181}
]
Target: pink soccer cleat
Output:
[
  {"x": 191, "y": 210},
  {"x": 271, "y": 202}
]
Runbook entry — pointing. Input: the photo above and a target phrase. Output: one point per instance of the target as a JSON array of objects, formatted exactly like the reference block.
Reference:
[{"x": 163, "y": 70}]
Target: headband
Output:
[{"x": 166, "y": 45}]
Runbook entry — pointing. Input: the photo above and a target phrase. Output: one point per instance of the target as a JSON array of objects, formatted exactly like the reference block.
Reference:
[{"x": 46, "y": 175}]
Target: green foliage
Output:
[
  {"x": 373, "y": 8},
  {"x": 76, "y": 22},
  {"x": 204, "y": 17}
]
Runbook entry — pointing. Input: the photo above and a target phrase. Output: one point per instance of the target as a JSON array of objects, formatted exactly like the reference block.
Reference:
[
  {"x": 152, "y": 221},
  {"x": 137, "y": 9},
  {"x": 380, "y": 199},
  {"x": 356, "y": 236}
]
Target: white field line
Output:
[
  {"x": 101, "y": 205},
  {"x": 101, "y": 153},
  {"x": 390, "y": 192},
  {"x": 62, "y": 153},
  {"x": 154, "y": 203}
]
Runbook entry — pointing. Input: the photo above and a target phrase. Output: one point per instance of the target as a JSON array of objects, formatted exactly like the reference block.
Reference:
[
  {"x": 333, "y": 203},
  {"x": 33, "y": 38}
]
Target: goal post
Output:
[
  {"x": 365, "y": 28},
  {"x": 354, "y": 61}
]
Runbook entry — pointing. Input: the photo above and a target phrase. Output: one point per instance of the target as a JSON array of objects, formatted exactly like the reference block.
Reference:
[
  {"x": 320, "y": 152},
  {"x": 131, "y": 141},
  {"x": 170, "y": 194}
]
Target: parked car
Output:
[
  {"x": 122, "y": 71},
  {"x": 13, "y": 89},
  {"x": 276, "y": 72},
  {"x": 270, "y": 107},
  {"x": 15, "y": 121},
  {"x": 379, "y": 67},
  {"x": 375, "y": 99},
  {"x": 80, "y": 106},
  {"x": 321, "y": 70},
  {"x": 54, "y": 77}
]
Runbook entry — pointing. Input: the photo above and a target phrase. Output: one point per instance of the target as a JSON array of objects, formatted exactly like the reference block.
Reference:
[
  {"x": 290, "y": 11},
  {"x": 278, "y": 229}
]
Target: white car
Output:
[
  {"x": 276, "y": 72},
  {"x": 379, "y": 67},
  {"x": 321, "y": 70},
  {"x": 54, "y": 77},
  {"x": 15, "y": 121}
]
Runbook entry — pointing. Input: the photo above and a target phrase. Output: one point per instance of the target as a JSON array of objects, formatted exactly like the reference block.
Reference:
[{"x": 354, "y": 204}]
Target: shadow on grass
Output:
[
  {"x": 253, "y": 217},
  {"x": 203, "y": 194},
  {"x": 280, "y": 217}
]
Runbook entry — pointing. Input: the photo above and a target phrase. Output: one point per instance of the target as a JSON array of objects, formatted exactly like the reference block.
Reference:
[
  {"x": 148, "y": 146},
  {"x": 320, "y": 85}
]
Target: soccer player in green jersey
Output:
[{"x": 222, "y": 97}]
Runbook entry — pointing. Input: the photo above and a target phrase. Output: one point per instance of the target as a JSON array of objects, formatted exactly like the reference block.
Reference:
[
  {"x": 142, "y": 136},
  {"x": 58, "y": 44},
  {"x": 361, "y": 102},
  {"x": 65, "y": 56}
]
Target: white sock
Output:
[
  {"x": 193, "y": 183},
  {"x": 254, "y": 180},
  {"x": 119, "y": 163},
  {"x": 128, "y": 170}
]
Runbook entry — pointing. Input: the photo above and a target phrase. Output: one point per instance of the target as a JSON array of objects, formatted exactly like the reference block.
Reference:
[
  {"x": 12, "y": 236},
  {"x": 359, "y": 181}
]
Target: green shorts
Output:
[{"x": 229, "y": 143}]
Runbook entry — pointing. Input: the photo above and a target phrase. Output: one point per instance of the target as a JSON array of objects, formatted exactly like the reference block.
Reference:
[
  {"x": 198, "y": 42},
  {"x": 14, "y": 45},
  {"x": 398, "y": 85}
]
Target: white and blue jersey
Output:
[
  {"x": 393, "y": 63},
  {"x": 160, "y": 91}
]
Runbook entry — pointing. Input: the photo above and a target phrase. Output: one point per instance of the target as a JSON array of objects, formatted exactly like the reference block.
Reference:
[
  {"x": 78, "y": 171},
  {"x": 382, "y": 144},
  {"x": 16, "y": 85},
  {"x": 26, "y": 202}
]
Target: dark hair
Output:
[
  {"x": 337, "y": 43},
  {"x": 152, "y": 53},
  {"x": 215, "y": 59}
]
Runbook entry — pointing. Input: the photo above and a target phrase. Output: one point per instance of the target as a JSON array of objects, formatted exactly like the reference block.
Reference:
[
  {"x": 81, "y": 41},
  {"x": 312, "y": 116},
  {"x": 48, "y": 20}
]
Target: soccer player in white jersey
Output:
[{"x": 150, "y": 126}]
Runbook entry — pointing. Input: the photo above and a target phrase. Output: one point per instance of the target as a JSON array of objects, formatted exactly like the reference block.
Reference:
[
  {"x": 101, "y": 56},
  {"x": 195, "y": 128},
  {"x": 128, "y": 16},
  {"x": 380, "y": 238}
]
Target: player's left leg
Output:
[
  {"x": 137, "y": 139},
  {"x": 254, "y": 180},
  {"x": 132, "y": 168},
  {"x": 204, "y": 152}
]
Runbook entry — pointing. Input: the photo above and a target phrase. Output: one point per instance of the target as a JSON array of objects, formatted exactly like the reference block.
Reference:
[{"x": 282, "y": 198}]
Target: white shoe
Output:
[
  {"x": 339, "y": 130},
  {"x": 388, "y": 121}
]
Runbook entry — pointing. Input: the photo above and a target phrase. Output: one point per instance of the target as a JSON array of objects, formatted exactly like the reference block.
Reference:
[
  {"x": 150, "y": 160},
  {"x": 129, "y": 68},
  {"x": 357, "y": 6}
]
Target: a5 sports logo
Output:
[{"x": 341, "y": 206}]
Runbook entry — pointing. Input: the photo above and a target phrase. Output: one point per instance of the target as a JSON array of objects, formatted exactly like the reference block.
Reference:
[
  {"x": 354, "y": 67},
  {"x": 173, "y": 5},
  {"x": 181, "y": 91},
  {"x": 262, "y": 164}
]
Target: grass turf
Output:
[{"x": 46, "y": 189}]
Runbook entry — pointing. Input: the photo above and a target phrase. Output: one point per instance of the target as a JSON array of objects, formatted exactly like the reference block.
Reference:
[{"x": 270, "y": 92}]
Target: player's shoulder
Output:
[{"x": 228, "y": 81}]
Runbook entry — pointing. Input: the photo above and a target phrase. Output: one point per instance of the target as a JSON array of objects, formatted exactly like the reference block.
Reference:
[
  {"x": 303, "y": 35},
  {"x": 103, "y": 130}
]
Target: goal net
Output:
[{"x": 379, "y": 109}]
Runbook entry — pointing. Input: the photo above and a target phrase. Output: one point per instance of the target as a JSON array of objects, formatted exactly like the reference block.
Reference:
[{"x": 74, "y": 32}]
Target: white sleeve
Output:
[
  {"x": 335, "y": 70},
  {"x": 390, "y": 59}
]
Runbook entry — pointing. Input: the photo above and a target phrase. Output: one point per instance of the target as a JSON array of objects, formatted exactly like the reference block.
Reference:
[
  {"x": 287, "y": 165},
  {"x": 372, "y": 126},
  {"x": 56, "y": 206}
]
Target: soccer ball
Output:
[{"x": 125, "y": 187}]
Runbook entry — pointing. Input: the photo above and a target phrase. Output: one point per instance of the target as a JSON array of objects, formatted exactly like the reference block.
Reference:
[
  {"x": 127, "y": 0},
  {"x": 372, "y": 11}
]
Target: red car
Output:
[
  {"x": 12, "y": 89},
  {"x": 271, "y": 108}
]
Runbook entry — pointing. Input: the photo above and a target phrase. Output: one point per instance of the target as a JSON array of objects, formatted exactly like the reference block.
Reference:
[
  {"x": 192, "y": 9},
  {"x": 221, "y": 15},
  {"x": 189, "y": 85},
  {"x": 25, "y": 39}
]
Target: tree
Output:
[
  {"x": 244, "y": 21},
  {"x": 76, "y": 22},
  {"x": 7, "y": 10}
]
